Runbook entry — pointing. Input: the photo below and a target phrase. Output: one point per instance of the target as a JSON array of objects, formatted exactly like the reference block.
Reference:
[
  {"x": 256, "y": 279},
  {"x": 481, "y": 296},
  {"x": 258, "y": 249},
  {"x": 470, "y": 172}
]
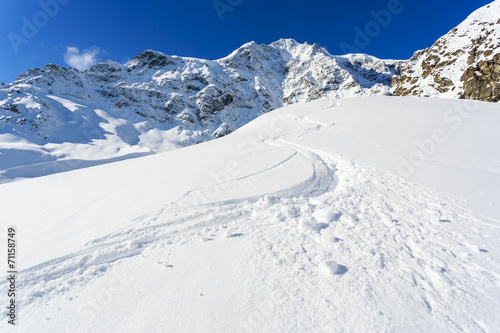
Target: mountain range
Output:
[{"x": 157, "y": 102}]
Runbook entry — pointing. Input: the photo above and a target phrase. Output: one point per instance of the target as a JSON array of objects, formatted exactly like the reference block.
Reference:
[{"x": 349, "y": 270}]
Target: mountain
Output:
[
  {"x": 464, "y": 63},
  {"x": 55, "y": 119},
  {"x": 210, "y": 98},
  {"x": 157, "y": 102}
]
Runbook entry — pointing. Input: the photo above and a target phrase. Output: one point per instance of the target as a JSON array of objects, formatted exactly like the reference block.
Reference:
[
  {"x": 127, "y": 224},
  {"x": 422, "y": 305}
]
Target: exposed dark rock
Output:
[
  {"x": 468, "y": 49},
  {"x": 223, "y": 130},
  {"x": 482, "y": 82}
]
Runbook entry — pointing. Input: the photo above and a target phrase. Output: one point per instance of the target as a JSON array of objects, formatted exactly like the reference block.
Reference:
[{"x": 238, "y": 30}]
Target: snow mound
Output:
[{"x": 329, "y": 268}]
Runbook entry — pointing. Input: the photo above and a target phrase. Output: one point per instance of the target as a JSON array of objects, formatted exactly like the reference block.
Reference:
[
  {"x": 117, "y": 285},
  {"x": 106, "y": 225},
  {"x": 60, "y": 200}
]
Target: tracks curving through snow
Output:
[{"x": 400, "y": 256}]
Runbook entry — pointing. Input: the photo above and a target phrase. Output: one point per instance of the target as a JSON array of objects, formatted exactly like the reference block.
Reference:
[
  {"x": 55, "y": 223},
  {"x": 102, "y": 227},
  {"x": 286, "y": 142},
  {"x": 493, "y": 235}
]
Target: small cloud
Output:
[{"x": 81, "y": 60}]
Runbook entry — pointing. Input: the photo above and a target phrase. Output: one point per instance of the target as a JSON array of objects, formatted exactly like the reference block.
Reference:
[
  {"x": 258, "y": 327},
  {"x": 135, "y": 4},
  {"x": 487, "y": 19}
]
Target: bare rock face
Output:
[
  {"x": 482, "y": 82},
  {"x": 461, "y": 64}
]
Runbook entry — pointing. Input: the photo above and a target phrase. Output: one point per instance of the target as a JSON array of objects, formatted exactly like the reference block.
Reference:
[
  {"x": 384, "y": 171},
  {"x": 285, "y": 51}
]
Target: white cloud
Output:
[{"x": 81, "y": 60}]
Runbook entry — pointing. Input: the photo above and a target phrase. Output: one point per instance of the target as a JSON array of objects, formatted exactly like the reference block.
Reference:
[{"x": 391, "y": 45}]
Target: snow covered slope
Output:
[
  {"x": 334, "y": 215},
  {"x": 54, "y": 119},
  {"x": 464, "y": 63}
]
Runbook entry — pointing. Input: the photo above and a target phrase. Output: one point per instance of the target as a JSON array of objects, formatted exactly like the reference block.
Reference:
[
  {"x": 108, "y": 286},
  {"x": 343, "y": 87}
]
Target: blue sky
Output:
[{"x": 34, "y": 33}]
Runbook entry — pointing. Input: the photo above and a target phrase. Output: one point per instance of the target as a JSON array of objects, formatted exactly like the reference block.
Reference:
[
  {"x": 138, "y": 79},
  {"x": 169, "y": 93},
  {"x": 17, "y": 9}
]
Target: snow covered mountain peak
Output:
[
  {"x": 106, "y": 66},
  {"x": 488, "y": 13},
  {"x": 157, "y": 102},
  {"x": 151, "y": 59},
  {"x": 464, "y": 63}
]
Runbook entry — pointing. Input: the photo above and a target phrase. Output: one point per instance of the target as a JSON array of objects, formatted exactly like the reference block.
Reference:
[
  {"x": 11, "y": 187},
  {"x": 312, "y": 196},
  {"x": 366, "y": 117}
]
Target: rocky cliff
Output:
[{"x": 464, "y": 63}]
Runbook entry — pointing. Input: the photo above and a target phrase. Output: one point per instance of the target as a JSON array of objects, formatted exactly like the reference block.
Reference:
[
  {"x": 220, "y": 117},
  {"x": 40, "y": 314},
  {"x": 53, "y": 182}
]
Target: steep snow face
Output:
[
  {"x": 157, "y": 102},
  {"x": 464, "y": 63}
]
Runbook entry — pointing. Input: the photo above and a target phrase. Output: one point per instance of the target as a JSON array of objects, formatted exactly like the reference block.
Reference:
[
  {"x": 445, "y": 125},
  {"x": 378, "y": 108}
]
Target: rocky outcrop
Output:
[
  {"x": 461, "y": 64},
  {"x": 482, "y": 81}
]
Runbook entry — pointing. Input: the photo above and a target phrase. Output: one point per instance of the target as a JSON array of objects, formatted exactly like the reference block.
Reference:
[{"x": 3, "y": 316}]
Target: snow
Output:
[
  {"x": 301, "y": 220},
  {"x": 72, "y": 106},
  {"x": 478, "y": 34},
  {"x": 155, "y": 103},
  {"x": 438, "y": 142},
  {"x": 329, "y": 267}
]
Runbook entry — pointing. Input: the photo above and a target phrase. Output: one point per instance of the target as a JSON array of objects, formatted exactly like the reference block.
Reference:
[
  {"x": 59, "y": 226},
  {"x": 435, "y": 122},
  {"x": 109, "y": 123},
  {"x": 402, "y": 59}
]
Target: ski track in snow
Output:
[{"x": 409, "y": 258}]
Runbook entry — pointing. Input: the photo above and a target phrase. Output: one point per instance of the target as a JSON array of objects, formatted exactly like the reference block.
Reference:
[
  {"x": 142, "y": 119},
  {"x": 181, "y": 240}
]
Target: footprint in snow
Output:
[
  {"x": 229, "y": 234},
  {"x": 476, "y": 248},
  {"x": 164, "y": 264}
]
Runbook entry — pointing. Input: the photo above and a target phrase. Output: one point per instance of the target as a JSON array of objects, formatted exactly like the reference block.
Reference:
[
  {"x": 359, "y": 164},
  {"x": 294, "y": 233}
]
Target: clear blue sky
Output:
[{"x": 119, "y": 30}]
